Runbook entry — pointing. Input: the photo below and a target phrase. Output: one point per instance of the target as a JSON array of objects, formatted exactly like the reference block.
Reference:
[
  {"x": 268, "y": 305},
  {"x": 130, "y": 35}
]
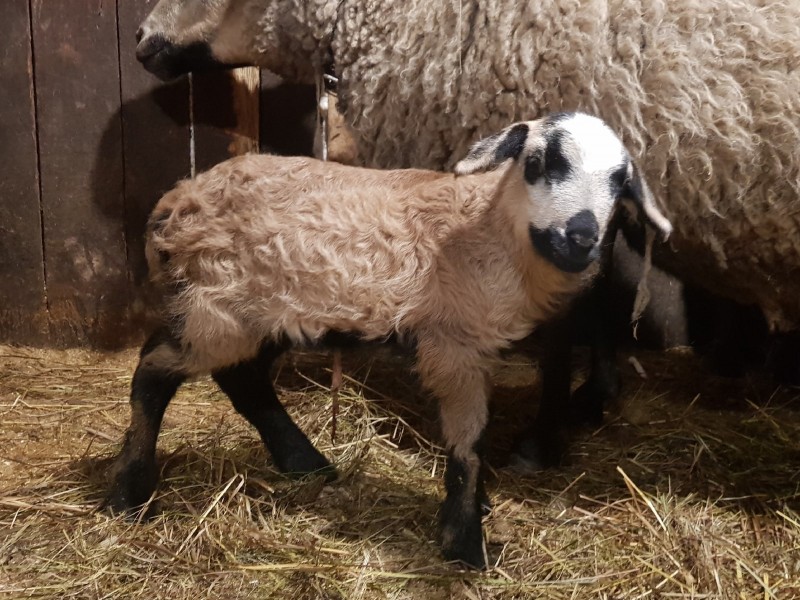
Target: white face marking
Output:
[
  {"x": 588, "y": 153},
  {"x": 600, "y": 148}
]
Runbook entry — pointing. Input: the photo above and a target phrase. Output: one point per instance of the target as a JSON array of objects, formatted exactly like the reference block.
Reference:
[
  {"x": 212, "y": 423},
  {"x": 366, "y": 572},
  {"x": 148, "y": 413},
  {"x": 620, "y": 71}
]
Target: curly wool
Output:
[
  {"x": 705, "y": 95},
  {"x": 264, "y": 247}
]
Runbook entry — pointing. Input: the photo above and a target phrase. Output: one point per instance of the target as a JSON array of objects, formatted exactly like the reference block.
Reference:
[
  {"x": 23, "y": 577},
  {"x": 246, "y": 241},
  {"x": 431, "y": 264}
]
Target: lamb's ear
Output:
[
  {"x": 639, "y": 200},
  {"x": 493, "y": 150}
]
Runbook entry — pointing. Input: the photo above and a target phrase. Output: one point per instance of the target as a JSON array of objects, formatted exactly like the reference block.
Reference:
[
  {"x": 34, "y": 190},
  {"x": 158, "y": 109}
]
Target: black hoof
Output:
[
  {"x": 536, "y": 452},
  {"x": 131, "y": 489},
  {"x": 587, "y": 404},
  {"x": 307, "y": 463},
  {"x": 463, "y": 542},
  {"x": 525, "y": 466}
]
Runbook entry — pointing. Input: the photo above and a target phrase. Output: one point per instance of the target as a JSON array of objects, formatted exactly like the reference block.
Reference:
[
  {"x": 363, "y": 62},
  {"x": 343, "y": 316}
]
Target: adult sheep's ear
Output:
[
  {"x": 496, "y": 149},
  {"x": 639, "y": 200}
]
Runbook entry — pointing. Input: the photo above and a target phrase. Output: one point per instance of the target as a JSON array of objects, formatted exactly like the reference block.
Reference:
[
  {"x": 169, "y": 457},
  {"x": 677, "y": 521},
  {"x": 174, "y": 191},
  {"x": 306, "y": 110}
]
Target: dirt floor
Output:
[{"x": 691, "y": 489}]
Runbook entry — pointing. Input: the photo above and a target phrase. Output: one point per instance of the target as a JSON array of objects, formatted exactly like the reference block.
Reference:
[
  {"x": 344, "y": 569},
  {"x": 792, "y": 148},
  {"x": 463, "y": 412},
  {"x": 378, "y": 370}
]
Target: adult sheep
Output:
[
  {"x": 709, "y": 90},
  {"x": 262, "y": 252}
]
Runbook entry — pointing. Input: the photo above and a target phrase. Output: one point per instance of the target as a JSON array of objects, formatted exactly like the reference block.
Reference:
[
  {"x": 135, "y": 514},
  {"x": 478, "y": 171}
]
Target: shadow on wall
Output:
[
  {"x": 288, "y": 117},
  {"x": 150, "y": 136},
  {"x": 156, "y": 136}
]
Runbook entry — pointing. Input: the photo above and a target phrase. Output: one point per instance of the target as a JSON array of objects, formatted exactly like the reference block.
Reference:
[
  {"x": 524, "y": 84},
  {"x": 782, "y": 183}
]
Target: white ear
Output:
[{"x": 494, "y": 150}]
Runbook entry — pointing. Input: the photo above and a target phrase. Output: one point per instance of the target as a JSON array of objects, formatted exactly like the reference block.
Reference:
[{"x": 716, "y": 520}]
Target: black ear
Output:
[
  {"x": 496, "y": 149},
  {"x": 639, "y": 201}
]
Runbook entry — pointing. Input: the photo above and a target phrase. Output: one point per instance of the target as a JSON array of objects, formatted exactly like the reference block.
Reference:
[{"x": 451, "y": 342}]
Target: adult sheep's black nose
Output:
[
  {"x": 150, "y": 46},
  {"x": 139, "y": 35},
  {"x": 582, "y": 232}
]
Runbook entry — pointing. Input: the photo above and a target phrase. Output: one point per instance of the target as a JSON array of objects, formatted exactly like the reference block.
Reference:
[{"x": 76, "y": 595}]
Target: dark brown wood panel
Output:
[
  {"x": 80, "y": 149},
  {"x": 288, "y": 116},
  {"x": 23, "y": 310},
  {"x": 225, "y": 115},
  {"x": 156, "y": 139}
]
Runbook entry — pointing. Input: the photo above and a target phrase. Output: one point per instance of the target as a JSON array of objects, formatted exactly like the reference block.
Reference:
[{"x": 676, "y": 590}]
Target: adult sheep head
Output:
[
  {"x": 179, "y": 36},
  {"x": 576, "y": 171}
]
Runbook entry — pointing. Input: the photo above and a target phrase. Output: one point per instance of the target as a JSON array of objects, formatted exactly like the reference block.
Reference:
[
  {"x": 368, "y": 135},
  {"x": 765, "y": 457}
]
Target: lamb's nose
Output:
[
  {"x": 582, "y": 232},
  {"x": 582, "y": 239},
  {"x": 139, "y": 35}
]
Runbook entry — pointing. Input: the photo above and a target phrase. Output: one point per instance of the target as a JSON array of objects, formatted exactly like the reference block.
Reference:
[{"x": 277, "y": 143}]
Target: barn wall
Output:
[
  {"x": 88, "y": 142},
  {"x": 23, "y": 306}
]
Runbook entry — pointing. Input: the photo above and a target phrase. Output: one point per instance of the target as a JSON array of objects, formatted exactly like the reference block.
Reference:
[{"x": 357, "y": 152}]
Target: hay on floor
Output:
[{"x": 690, "y": 489}]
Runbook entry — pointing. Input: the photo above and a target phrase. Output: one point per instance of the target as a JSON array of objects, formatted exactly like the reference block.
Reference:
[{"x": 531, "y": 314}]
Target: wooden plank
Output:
[
  {"x": 288, "y": 117},
  {"x": 23, "y": 310},
  {"x": 342, "y": 145},
  {"x": 156, "y": 142},
  {"x": 246, "y": 89},
  {"x": 225, "y": 115},
  {"x": 80, "y": 149}
]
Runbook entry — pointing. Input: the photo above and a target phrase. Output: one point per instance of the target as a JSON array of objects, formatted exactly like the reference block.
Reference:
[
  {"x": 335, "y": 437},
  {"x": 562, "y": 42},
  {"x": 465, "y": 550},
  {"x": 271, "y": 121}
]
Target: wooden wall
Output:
[{"x": 88, "y": 142}]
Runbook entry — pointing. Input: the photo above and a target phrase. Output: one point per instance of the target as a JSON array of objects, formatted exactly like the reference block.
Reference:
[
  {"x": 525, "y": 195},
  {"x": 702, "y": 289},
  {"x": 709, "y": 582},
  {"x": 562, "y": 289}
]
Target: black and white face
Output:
[
  {"x": 573, "y": 185},
  {"x": 575, "y": 170}
]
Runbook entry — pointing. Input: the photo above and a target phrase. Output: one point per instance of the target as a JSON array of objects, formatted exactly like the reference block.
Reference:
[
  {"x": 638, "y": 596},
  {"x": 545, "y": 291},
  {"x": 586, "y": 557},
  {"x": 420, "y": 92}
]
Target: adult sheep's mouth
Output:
[
  {"x": 157, "y": 55},
  {"x": 157, "y": 67},
  {"x": 167, "y": 60}
]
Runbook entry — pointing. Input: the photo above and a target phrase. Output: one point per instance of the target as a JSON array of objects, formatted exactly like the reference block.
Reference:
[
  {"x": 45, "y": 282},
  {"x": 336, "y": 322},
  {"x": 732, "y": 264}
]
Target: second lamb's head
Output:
[{"x": 576, "y": 173}]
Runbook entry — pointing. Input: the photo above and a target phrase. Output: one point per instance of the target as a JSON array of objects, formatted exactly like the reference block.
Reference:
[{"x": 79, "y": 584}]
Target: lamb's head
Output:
[
  {"x": 179, "y": 36},
  {"x": 576, "y": 172}
]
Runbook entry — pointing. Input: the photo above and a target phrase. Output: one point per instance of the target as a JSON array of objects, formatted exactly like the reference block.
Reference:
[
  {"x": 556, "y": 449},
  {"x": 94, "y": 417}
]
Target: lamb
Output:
[
  {"x": 709, "y": 90},
  {"x": 264, "y": 252},
  {"x": 716, "y": 110}
]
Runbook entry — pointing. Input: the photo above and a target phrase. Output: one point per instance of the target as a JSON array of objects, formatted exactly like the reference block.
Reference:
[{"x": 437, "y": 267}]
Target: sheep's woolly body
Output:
[
  {"x": 262, "y": 247},
  {"x": 706, "y": 95}
]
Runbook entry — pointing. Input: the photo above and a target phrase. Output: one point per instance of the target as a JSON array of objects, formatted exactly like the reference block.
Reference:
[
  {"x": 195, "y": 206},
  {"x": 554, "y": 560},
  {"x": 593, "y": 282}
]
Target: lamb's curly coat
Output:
[
  {"x": 395, "y": 252},
  {"x": 710, "y": 90},
  {"x": 264, "y": 251}
]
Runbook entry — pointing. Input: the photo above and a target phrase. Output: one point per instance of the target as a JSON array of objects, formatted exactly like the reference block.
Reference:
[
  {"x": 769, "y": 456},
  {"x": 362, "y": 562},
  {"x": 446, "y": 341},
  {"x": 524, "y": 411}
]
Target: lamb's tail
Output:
[
  {"x": 155, "y": 251},
  {"x": 158, "y": 243}
]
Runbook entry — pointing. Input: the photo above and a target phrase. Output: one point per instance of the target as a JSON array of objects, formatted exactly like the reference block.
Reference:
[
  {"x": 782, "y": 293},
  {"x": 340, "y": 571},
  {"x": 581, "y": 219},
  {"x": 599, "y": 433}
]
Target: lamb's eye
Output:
[
  {"x": 533, "y": 168},
  {"x": 618, "y": 179},
  {"x": 556, "y": 165}
]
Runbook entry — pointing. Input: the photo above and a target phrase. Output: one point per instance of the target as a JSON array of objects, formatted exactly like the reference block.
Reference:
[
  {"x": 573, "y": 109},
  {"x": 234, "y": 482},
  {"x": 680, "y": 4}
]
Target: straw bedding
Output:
[{"x": 690, "y": 490}]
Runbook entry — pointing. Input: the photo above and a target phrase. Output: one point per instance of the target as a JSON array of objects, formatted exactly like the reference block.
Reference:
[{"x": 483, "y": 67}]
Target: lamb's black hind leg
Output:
[
  {"x": 250, "y": 389},
  {"x": 135, "y": 473}
]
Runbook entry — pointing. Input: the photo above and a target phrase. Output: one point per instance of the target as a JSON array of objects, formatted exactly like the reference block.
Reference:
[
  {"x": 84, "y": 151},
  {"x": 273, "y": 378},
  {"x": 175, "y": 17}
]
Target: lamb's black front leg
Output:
[
  {"x": 596, "y": 307},
  {"x": 250, "y": 389},
  {"x": 541, "y": 444},
  {"x": 458, "y": 377},
  {"x": 603, "y": 383},
  {"x": 155, "y": 381}
]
